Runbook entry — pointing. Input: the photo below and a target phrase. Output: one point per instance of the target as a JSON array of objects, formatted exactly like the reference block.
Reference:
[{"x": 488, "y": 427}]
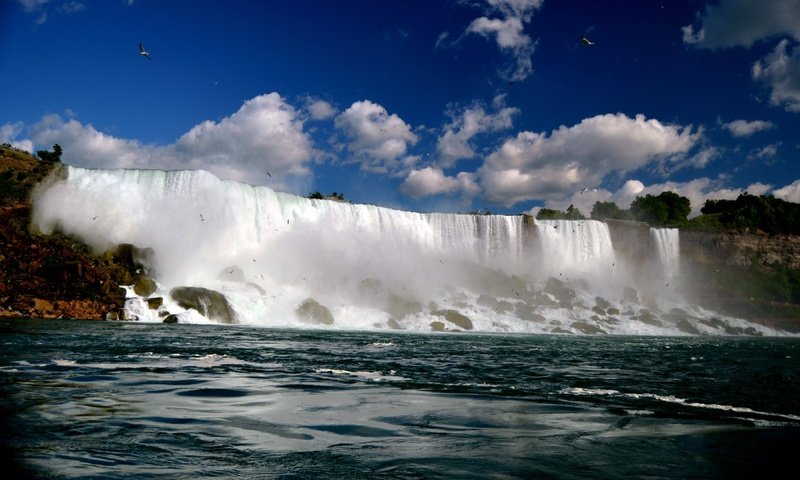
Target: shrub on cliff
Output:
[
  {"x": 54, "y": 156},
  {"x": 751, "y": 212}
]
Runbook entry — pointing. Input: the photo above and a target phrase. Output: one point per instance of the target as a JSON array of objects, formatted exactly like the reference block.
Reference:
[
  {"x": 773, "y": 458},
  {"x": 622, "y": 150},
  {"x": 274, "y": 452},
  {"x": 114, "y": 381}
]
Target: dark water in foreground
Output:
[{"x": 125, "y": 400}]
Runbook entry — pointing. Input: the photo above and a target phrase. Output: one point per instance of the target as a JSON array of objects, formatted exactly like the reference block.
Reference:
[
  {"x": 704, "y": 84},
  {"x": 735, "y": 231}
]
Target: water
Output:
[
  {"x": 373, "y": 268},
  {"x": 143, "y": 400}
]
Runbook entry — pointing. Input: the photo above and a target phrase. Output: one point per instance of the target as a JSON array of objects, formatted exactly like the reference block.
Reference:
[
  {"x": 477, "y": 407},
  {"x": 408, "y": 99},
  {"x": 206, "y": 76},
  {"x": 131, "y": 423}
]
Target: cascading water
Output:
[
  {"x": 370, "y": 267},
  {"x": 666, "y": 243}
]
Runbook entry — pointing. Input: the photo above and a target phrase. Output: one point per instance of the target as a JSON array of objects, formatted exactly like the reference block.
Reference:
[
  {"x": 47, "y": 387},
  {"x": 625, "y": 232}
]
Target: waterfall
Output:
[
  {"x": 666, "y": 243},
  {"x": 371, "y": 267}
]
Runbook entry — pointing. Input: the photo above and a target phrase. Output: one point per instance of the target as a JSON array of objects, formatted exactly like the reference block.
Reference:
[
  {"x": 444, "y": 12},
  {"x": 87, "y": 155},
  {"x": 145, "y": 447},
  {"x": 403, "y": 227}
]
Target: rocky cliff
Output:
[{"x": 49, "y": 276}]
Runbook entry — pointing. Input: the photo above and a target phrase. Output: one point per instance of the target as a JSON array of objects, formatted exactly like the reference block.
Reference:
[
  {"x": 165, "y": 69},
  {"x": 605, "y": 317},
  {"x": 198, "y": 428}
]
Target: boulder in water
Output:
[
  {"x": 455, "y": 318},
  {"x": 312, "y": 311},
  {"x": 587, "y": 328},
  {"x": 144, "y": 286},
  {"x": 209, "y": 303}
]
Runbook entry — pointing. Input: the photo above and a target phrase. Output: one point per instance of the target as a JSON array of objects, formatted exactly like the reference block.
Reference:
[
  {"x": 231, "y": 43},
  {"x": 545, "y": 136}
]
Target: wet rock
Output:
[
  {"x": 598, "y": 310},
  {"x": 437, "y": 326},
  {"x": 524, "y": 311},
  {"x": 602, "y": 302},
  {"x": 612, "y": 311},
  {"x": 499, "y": 306},
  {"x": 561, "y": 330},
  {"x": 455, "y": 318},
  {"x": 171, "y": 318},
  {"x": 209, "y": 303},
  {"x": 587, "y": 329},
  {"x": 394, "y": 324},
  {"x": 154, "y": 303},
  {"x": 144, "y": 286},
  {"x": 544, "y": 300},
  {"x": 399, "y": 307},
  {"x": 686, "y": 326},
  {"x": 647, "y": 317},
  {"x": 312, "y": 311},
  {"x": 560, "y": 291}
]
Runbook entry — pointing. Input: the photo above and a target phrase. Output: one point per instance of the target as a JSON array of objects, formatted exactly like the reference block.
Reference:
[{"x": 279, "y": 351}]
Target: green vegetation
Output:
[
  {"x": 609, "y": 210},
  {"x": 664, "y": 209},
  {"x": 53, "y": 157},
  {"x": 333, "y": 196},
  {"x": 572, "y": 213},
  {"x": 751, "y": 213}
]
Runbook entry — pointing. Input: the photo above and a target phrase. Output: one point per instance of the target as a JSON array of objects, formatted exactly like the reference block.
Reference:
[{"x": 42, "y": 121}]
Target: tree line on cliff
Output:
[{"x": 668, "y": 209}]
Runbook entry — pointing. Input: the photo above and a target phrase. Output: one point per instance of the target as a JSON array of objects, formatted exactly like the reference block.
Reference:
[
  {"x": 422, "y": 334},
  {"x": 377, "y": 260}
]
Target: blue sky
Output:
[{"x": 421, "y": 105}]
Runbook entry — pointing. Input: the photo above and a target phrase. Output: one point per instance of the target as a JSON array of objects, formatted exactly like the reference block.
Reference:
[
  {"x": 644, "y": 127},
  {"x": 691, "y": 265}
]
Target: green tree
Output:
[
  {"x": 604, "y": 210},
  {"x": 667, "y": 208},
  {"x": 54, "y": 156}
]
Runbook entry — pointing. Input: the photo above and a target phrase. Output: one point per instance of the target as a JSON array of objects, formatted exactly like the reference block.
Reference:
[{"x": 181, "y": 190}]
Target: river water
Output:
[{"x": 116, "y": 400}]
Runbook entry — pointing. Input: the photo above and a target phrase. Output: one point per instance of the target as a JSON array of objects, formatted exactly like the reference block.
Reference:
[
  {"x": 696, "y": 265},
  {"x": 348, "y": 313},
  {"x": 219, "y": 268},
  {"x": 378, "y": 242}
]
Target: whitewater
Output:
[{"x": 371, "y": 268}]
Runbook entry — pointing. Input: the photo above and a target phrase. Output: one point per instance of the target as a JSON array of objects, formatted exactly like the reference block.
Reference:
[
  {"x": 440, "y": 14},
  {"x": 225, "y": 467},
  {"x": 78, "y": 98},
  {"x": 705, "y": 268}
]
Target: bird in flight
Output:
[
  {"x": 586, "y": 42},
  {"x": 144, "y": 52}
]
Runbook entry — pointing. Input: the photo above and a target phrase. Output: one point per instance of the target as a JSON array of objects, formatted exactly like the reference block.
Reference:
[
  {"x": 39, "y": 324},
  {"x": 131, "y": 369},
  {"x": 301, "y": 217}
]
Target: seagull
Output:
[
  {"x": 94, "y": 218},
  {"x": 269, "y": 175},
  {"x": 669, "y": 174},
  {"x": 201, "y": 218},
  {"x": 144, "y": 52},
  {"x": 586, "y": 42}
]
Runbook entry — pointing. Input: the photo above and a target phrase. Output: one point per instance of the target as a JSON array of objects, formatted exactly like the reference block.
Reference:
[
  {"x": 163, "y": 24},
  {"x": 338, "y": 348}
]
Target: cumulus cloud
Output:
[
  {"x": 10, "y": 132},
  {"x": 264, "y": 135},
  {"x": 540, "y": 166},
  {"x": 790, "y": 193},
  {"x": 744, "y": 128},
  {"x": 431, "y": 181},
  {"x": 508, "y": 32},
  {"x": 731, "y": 23},
  {"x": 780, "y": 71},
  {"x": 320, "y": 109},
  {"x": 375, "y": 139},
  {"x": 455, "y": 142}
]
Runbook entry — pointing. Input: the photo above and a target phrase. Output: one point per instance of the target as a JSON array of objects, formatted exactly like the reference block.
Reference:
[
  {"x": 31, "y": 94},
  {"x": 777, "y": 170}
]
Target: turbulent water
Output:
[
  {"x": 370, "y": 267},
  {"x": 116, "y": 400}
]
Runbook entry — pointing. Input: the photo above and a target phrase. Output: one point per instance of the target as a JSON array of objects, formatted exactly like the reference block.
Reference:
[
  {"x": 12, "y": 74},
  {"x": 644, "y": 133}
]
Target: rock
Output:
[
  {"x": 598, "y": 310},
  {"x": 499, "y": 306},
  {"x": 602, "y": 302},
  {"x": 646, "y": 317},
  {"x": 144, "y": 286},
  {"x": 155, "y": 302},
  {"x": 686, "y": 327},
  {"x": 544, "y": 300},
  {"x": 612, "y": 311},
  {"x": 42, "y": 306},
  {"x": 209, "y": 303},
  {"x": 561, "y": 292},
  {"x": 394, "y": 324},
  {"x": 524, "y": 311},
  {"x": 455, "y": 318},
  {"x": 171, "y": 318},
  {"x": 312, "y": 311},
  {"x": 437, "y": 326},
  {"x": 587, "y": 328},
  {"x": 399, "y": 307},
  {"x": 111, "y": 316}
]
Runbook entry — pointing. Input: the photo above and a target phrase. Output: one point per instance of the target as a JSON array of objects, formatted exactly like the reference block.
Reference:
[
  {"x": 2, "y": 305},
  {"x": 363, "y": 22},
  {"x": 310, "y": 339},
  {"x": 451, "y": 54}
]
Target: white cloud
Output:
[
  {"x": 9, "y": 133},
  {"x": 537, "y": 166},
  {"x": 377, "y": 140},
  {"x": 780, "y": 70},
  {"x": 431, "y": 181},
  {"x": 730, "y": 23},
  {"x": 508, "y": 33},
  {"x": 320, "y": 109},
  {"x": 265, "y": 135},
  {"x": 764, "y": 153},
  {"x": 790, "y": 193},
  {"x": 41, "y": 8},
  {"x": 455, "y": 142},
  {"x": 744, "y": 128}
]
